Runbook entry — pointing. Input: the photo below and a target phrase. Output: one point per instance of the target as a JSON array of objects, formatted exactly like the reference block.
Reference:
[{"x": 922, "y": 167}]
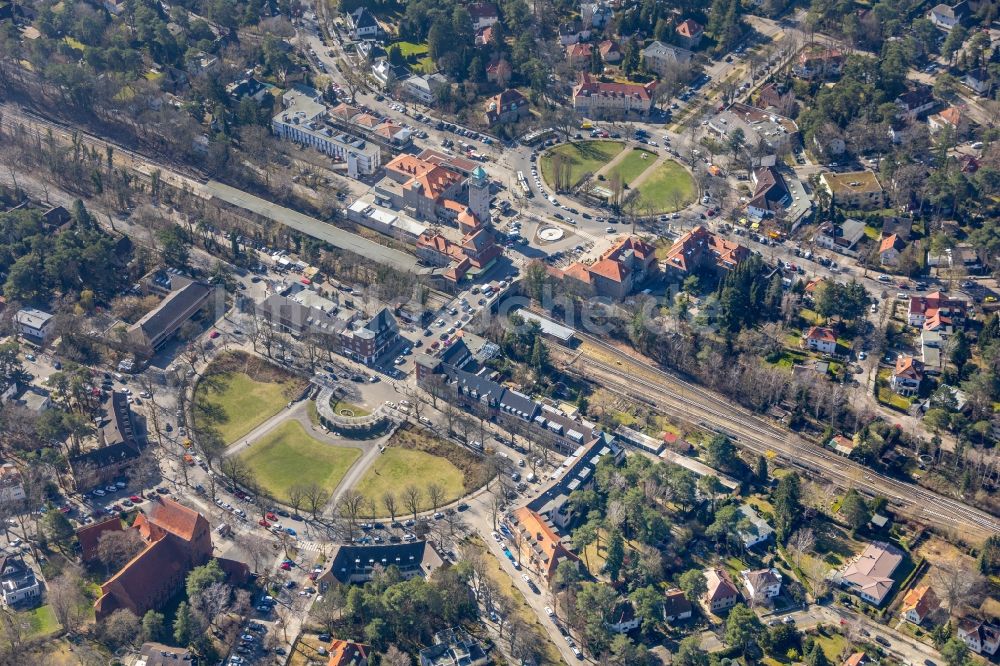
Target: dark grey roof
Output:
[
  {"x": 518, "y": 404},
  {"x": 362, "y": 18},
  {"x": 178, "y": 302},
  {"x": 350, "y": 560},
  {"x": 104, "y": 456},
  {"x": 456, "y": 353}
]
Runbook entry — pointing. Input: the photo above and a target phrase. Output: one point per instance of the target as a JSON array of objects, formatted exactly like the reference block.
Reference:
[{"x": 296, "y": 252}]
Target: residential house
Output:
[
  {"x": 597, "y": 99},
  {"x": 721, "y": 594},
  {"x": 247, "y": 87},
  {"x": 158, "y": 654},
  {"x": 856, "y": 659},
  {"x": 347, "y": 653},
  {"x": 509, "y": 106},
  {"x": 11, "y": 484},
  {"x": 930, "y": 351},
  {"x": 388, "y": 74},
  {"x": 907, "y": 375},
  {"x": 595, "y": 14},
  {"x": 676, "y": 606},
  {"x": 843, "y": 237},
  {"x": 33, "y": 324},
  {"x": 869, "y": 575},
  {"x": 611, "y": 51},
  {"x": 770, "y": 193},
  {"x": 149, "y": 334},
  {"x": 819, "y": 62},
  {"x": 700, "y": 249},
  {"x": 978, "y": 80},
  {"x": 821, "y": 339},
  {"x": 982, "y": 638},
  {"x": 352, "y": 564},
  {"x": 689, "y": 33},
  {"x": 363, "y": 24},
  {"x": 918, "y": 603},
  {"x": 661, "y": 58},
  {"x": 424, "y": 87},
  {"x": 952, "y": 118},
  {"x": 759, "y": 530},
  {"x": 915, "y": 102},
  {"x": 936, "y": 308},
  {"x": 484, "y": 38},
  {"x": 572, "y": 32},
  {"x": 540, "y": 546},
  {"x": 947, "y": 17},
  {"x": 623, "y": 618},
  {"x": 18, "y": 582},
  {"x": 889, "y": 249},
  {"x": 619, "y": 270},
  {"x": 454, "y": 647},
  {"x": 177, "y": 539},
  {"x": 578, "y": 55},
  {"x": 842, "y": 445},
  {"x": 761, "y": 584},
  {"x": 499, "y": 71},
  {"x": 484, "y": 15},
  {"x": 854, "y": 190}
]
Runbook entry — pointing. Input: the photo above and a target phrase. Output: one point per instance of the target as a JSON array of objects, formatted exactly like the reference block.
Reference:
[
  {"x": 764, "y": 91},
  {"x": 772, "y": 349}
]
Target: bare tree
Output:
[
  {"x": 395, "y": 657},
  {"x": 435, "y": 493},
  {"x": 296, "y": 496},
  {"x": 349, "y": 508},
  {"x": 800, "y": 543},
  {"x": 411, "y": 499},
  {"x": 389, "y": 502},
  {"x": 316, "y": 498},
  {"x": 65, "y": 595},
  {"x": 116, "y": 548},
  {"x": 958, "y": 586}
]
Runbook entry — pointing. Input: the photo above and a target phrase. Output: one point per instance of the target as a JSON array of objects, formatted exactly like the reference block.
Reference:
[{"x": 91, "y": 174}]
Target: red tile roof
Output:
[
  {"x": 909, "y": 367},
  {"x": 590, "y": 86},
  {"x": 700, "y": 245},
  {"x": 90, "y": 535},
  {"x": 541, "y": 541},
  {"x": 921, "y": 599},
  {"x": 347, "y": 653},
  {"x": 820, "y": 333},
  {"x": 175, "y": 518},
  {"x": 889, "y": 242},
  {"x": 689, "y": 28}
]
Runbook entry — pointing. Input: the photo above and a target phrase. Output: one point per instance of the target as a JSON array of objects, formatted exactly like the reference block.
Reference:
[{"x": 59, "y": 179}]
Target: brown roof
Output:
[
  {"x": 610, "y": 270},
  {"x": 542, "y": 540},
  {"x": 889, "y": 242},
  {"x": 689, "y": 28},
  {"x": 591, "y": 86},
  {"x": 907, "y": 366},
  {"x": 174, "y": 518},
  {"x": 856, "y": 659},
  {"x": 921, "y": 599},
  {"x": 699, "y": 244},
  {"x": 90, "y": 535},
  {"x": 161, "y": 559},
  {"x": 820, "y": 333},
  {"x": 578, "y": 50},
  {"x": 346, "y": 653},
  {"x": 719, "y": 585}
]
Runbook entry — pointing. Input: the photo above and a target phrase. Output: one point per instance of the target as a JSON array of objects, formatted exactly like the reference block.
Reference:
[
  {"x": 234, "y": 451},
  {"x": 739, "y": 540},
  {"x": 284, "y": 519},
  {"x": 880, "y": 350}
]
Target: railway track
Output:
[{"x": 753, "y": 433}]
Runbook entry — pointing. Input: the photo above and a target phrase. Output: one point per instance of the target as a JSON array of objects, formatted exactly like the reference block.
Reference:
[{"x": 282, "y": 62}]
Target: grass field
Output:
[
  {"x": 414, "y": 456},
  {"x": 633, "y": 164},
  {"x": 397, "y": 468},
  {"x": 357, "y": 411},
  {"x": 669, "y": 188},
  {"x": 236, "y": 404},
  {"x": 411, "y": 49},
  {"x": 583, "y": 156},
  {"x": 41, "y": 621},
  {"x": 288, "y": 455}
]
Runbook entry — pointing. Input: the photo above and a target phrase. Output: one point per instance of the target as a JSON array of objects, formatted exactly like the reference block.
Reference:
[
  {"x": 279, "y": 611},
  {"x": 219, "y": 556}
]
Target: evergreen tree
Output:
[
  {"x": 183, "y": 625},
  {"x": 816, "y": 656},
  {"x": 616, "y": 555},
  {"x": 854, "y": 510},
  {"x": 760, "y": 470},
  {"x": 787, "y": 506}
]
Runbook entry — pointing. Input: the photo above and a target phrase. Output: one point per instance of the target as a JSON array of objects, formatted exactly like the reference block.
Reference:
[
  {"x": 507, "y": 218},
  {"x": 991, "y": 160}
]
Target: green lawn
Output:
[
  {"x": 669, "y": 188},
  {"x": 409, "y": 48},
  {"x": 397, "y": 468},
  {"x": 288, "y": 455},
  {"x": 235, "y": 404},
  {"x": 41, "y": 621},
  {"x": 583, "y": 156},
  {"x": 833, "y": 646},
  {"x": 633, "y": 164},
  {"x": 357, "y": 411}
]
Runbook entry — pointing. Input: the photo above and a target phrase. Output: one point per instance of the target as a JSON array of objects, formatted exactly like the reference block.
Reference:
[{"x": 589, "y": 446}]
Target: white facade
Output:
[
  {"x": 302, "y": 121},
  {"x": 33, "y": 323}
]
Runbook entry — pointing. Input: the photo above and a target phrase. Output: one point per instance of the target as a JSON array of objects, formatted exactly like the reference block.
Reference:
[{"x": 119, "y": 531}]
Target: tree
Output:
[
  {"x": 854, "y": 510},
  {"x": 800, "y": 543},
  {"x": 787, "y": 506},
  {"x": 153, "y": 626},
  {"x": 58, "y": 529},
  {"x": 615, "y": 556},
  {"x": 395, "y": 657},
  {"x": 389, "y": 502},
  {"x": 693, "y": 583},
  {"x": 721, "y": 453},
  {"x": 689, "y": 653},
  {"x": 955, "y": 652},
  {"x": 184, "y": 625},
  {"x": 201, "y": 578},
  {"x": 435, "y": 494},
  {"x": 816, "y": 656},
  {"x": 65, "y": 596},
  {"x": 760, "y": 470},
  {"x": 411, "y": 499},
  {"x": 121, "y": 628},
  {"x": 743, "y": 628},
  {"x": 114, "y": 549}
]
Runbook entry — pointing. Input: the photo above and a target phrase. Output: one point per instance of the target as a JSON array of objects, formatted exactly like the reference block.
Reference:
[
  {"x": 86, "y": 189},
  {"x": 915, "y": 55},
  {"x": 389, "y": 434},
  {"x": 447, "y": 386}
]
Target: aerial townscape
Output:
[{"x": 488, "y": 332}]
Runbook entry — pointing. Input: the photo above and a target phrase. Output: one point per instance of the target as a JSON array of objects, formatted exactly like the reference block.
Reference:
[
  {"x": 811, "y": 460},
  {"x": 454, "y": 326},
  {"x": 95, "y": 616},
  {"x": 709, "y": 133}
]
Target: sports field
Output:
[{"x": 288, "y": 455}]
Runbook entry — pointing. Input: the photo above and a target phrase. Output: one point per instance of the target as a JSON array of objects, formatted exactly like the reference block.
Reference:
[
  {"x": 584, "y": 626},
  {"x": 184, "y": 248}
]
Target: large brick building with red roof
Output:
[
  {"x": 177, "y": 539},
  {"x": 594, "y": 98},
  {"x": 616, "y": 274},
  {"x": 700, "y": 249}
]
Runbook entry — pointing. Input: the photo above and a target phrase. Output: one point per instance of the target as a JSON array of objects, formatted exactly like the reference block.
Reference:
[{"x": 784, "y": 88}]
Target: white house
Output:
[
  {"x": 364, "y": 25},
  {"x": 17, "y": 581},
  {"x": 623, "y": 619},
  {"x": 424, "y": 87},
  {"x": 979, "y": 636},
  {"x": 11, "y": 484},
  {"x": 762, "y": 531},
  {"x": 761, "y": 584},
  {"x": 33, "y": 324},
  {"x": 821, "y": 339},
  {"x": 918, "y": 603},
  {"x": 946, "y": 18}
]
